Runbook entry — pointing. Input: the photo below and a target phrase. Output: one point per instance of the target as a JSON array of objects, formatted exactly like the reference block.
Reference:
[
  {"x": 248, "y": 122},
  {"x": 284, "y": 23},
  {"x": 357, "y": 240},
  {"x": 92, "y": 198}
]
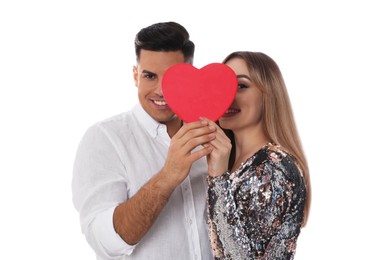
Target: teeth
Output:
[
  {"x": 160, "y": 103},
  {"x": 231, "y": 110}
]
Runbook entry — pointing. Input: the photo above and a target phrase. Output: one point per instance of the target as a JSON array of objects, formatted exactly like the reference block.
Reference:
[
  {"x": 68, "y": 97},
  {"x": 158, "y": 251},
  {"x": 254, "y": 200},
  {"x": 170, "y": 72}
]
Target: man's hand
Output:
[{"x": 181, "y": 154}]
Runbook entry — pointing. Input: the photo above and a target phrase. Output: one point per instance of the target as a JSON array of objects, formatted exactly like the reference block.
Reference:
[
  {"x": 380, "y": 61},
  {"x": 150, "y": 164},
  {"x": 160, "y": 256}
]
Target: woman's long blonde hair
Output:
[{"x": 279, "y": 123}]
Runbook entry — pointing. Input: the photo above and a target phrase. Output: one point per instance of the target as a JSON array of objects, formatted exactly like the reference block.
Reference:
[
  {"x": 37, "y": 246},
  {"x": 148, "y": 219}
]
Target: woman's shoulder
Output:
[
  {"x": 276, "y": 153},
  {"x": 272, "y": 152},
  {"x": 275, "y": 156}
]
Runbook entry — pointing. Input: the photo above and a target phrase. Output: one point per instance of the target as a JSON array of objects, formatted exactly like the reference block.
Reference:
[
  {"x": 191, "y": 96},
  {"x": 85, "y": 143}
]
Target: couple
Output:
[{"x": 148, "y": 186}]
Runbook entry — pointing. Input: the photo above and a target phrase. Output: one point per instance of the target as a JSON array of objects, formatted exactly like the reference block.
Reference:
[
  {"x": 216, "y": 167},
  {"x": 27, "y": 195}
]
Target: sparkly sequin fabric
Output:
[{"x": 256, "y": 211}]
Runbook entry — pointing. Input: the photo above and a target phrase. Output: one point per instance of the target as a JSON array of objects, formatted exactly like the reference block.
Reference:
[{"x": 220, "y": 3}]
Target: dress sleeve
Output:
[
  {"x": 218, "y": 190},
  {"x": 253, "y": 213},
  {"x": 98, "y": 186},
  {"x": 281, "y": 198}
]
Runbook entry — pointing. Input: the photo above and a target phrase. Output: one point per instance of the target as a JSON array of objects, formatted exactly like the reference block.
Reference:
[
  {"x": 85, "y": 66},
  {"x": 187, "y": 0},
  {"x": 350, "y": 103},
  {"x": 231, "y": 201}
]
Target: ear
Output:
[{"x": 135, "y": 75}]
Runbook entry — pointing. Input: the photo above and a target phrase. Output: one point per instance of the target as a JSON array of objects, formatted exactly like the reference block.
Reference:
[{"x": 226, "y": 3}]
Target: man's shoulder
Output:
[
  {"x": 121, "y": 119},
  {"x": 114, "y": 123},
  {"x": 116, "y": 119},
  {"x": 121, "y": 124}
]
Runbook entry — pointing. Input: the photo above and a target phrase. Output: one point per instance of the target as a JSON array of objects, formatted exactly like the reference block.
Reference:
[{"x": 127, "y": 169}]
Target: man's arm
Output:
[{"x": 134, "y": 217}]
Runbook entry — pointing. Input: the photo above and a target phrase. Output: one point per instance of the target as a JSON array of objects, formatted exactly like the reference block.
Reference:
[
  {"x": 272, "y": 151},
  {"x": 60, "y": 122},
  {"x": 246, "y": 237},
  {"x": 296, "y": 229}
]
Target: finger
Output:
[
  {"x": 216, "y": 143},
  {"x": 196, "y": 155},
  {"x": 221, "y": 145},
  {"x": 206, "y": 131},
  {"x": 189, "y": 126},
  {"x": 221, "y": 140},
  {"x": 221, "y": 136},
  {"x": 192, "y": 143},
  {"x": 213, "y": 124}
]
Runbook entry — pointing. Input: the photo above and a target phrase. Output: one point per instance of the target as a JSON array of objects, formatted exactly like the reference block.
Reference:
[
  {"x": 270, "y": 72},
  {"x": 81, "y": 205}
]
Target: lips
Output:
[{"x": 231, "y": 112}]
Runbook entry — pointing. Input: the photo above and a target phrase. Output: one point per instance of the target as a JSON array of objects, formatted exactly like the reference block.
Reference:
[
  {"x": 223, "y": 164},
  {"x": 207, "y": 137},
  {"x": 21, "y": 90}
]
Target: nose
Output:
[{"x": 158, "y": 90}]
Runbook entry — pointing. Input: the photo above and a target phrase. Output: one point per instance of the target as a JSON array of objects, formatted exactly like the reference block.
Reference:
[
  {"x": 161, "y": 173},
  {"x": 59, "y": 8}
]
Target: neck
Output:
[{"x": 248, "y": 143}]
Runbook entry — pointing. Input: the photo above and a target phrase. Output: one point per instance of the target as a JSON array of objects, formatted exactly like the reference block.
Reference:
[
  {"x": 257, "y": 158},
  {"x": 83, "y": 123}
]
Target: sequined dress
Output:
[{"x": 256, "y": 211}]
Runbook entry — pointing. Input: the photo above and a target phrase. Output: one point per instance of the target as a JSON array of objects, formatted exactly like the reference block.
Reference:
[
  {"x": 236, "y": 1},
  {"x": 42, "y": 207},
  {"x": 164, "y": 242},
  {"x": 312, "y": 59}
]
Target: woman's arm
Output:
[{"x": 253, "y": 212}]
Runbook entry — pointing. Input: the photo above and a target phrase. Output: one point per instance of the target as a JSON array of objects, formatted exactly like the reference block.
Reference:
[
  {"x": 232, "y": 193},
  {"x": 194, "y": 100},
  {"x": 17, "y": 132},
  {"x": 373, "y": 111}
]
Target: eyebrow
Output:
[
  {"x": 239, "y": 76},
  {"x": 148, "y": 72}
]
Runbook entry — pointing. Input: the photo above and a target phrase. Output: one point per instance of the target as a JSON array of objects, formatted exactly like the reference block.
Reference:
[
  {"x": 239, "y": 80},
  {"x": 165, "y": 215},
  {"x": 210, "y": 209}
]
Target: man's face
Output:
[{"x": 148, "y": 76}]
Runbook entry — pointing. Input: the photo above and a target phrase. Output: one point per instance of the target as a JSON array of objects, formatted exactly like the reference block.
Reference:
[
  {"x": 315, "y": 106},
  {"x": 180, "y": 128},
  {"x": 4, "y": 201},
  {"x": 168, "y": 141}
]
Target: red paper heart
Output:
[{"x": 192, "y": 93}]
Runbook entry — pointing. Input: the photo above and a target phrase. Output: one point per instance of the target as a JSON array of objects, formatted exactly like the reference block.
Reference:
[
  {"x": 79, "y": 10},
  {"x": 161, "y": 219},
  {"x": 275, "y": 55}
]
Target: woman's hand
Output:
[{"x": 218, "y": 159}]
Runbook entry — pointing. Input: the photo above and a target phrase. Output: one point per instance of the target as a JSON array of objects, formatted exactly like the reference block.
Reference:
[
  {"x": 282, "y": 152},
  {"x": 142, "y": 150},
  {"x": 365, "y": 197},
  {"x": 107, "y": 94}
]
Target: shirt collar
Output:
[{"x": 153, "y": 127}]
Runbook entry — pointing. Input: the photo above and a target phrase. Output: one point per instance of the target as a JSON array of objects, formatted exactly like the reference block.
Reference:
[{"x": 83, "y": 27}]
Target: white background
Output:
[{"x": 66, "y": 64}]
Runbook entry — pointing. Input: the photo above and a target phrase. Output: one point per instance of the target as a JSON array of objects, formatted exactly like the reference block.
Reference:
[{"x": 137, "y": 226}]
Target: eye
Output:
[
  {"x": 241, "y": 86},
  {"x": 149, "y": 75}
]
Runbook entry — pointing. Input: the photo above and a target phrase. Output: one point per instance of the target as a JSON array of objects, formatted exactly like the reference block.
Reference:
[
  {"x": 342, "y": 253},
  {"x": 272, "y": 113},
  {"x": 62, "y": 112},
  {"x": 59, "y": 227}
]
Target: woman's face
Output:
[{"x": 246, "y": 109}]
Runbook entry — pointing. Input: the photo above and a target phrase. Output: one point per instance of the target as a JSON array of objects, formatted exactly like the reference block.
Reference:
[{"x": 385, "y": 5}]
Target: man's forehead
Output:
[
  {"x": 158, "y": 61},
  {"x": 161, "y": 55}
]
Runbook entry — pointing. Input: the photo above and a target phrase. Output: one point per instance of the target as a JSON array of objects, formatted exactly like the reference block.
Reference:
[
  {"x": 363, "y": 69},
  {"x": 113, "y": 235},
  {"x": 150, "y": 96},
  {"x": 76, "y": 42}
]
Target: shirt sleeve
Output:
[{"x": 98, "y": 186}]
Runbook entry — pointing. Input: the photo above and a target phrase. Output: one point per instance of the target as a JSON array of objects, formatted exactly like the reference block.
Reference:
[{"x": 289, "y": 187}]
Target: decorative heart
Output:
[{"x": 192, "y": 93}]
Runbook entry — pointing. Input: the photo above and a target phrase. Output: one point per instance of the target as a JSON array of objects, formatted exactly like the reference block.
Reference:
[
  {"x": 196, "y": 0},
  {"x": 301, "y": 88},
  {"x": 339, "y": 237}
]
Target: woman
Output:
[{"x": 257, "y": 204}]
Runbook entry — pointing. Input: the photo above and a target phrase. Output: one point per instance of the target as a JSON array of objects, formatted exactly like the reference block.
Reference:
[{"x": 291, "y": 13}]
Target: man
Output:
[{"x": 139, "y": 178}]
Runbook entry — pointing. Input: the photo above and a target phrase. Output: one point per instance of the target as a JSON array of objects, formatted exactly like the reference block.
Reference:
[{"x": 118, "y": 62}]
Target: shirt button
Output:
[
  {"x": 190, "y": 221},
  {"x": 196, "y": 256}
]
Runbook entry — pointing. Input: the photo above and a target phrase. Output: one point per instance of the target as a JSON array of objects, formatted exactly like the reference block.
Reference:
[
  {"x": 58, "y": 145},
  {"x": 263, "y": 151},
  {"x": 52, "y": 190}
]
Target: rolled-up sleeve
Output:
[{"x": 98, "y": 186}]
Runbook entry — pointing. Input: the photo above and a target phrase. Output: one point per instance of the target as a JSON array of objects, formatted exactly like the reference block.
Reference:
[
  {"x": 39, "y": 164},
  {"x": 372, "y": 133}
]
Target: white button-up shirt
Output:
[{"x": 116, "y": 157}]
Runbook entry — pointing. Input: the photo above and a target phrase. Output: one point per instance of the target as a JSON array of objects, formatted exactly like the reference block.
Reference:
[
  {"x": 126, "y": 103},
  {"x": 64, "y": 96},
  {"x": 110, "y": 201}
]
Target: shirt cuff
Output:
[{"x": 109, "y": 240}]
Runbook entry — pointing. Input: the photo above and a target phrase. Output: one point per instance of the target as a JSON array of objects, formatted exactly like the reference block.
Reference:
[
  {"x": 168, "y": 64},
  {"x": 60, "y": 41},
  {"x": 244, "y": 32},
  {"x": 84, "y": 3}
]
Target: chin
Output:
[
  {"x": 166, "y": 118},
  {"x": 224, "y": 124}
]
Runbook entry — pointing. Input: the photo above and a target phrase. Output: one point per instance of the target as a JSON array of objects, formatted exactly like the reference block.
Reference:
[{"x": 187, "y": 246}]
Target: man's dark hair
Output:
[{"x": 166, "y": 36}]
